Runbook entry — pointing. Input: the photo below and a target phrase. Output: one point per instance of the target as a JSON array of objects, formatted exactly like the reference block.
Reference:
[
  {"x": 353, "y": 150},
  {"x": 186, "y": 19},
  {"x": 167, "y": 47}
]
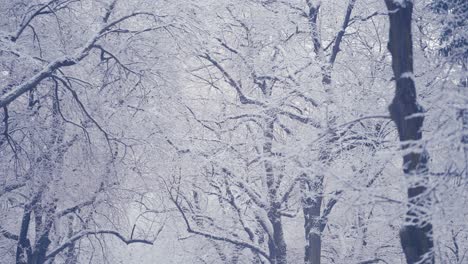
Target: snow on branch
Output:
[
  {"x": 11, "y": 187},
  {"x": 86, "y": 233},
  {"x": 50, "y": 68},
  {"x": 8, "y": 234},
  {"x": 210, "y": 235},
  {"x": 47, "y": 8},
  {"x": 402, "y": 3},
  {"x": 242, "y": 98}
]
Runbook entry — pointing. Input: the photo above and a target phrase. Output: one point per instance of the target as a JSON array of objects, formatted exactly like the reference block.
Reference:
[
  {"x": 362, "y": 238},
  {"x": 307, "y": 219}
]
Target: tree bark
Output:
[
  {"x": 276, "y": 244},
  {"x": 23, "y": 250},
  {"x": 416, "y": 235},
  {"x": 44, "y": 227}
]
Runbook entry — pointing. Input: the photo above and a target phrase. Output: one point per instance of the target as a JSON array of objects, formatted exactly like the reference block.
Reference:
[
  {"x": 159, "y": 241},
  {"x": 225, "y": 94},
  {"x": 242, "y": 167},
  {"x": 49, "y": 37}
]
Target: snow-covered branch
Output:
[{"x": 69, "y": 242}]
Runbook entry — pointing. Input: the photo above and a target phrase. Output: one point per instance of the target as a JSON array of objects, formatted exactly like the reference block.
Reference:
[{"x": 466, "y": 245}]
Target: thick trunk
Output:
[
  {"x": 277, "y": 244},
  {"x": 313, "y": 249},
  {"x": 415, "y": 237},
  {"x": 42, "y": 243},
  {"x": 40, "y": 250}
]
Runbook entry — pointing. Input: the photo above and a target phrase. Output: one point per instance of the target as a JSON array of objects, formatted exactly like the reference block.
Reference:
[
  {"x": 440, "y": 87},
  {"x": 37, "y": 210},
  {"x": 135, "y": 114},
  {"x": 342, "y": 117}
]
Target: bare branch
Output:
[
  {"x": 327, "y": 210},
  {"x": 302, "y": 119},
  {"x": 27, "y": 20},
  {"x": 83, "y": 108},
  {"x": 251, "y": 193},
  {"x": 11, "y": 187},
  {"x": 83, "y": 204},
  {"x": 50, "y": 68},
  {"x": 242, "y": 98},
  {"x": 234, "y": 241},
  {"x": 339, "y": 36},
  {"x": 8, "y": 235},
  {"x": 86, "y": 233},
  {"x": 104, "y": 51}
]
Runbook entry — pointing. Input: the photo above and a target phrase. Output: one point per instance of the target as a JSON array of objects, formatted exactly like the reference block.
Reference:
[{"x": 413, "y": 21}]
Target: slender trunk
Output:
[
  {"x": 464, "y": 118},
  {"x": 23, "y": 249},
  {"x": 416, "y": 235},
  {"x": 314, "y": 221},
  {"x": 71, "y": 256},
  {"x": 312, "y": 207},
  {"x": 311, "y": 202},
  {"x": 464, "y": 139},
  {"x": 276, "y": 244}
]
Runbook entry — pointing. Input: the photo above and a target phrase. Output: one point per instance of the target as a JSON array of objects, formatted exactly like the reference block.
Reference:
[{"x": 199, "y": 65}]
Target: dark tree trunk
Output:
[
  {"x": 276, "y": 244},
  {"x": 40, "y": 250},
  {"x": 42, "y": 244},
  {"x": 416, "y": 235},
  {"x": 314, "y": 220},
  {"x": 23, "y": 249}
]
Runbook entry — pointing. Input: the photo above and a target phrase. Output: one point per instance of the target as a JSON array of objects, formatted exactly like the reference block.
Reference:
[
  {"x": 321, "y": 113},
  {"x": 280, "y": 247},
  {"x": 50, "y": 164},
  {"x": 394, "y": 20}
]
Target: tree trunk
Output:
[
  {"x": 42, "y": 243},
  {"x": 276, "y": 244},
  {"x": 312, "y": 221},
  {"x": 464, "y": 118},
  {"x": 23, "y": 250},
  {"x": 416, "y": 235},
  {"x": 40, "y": 250}
]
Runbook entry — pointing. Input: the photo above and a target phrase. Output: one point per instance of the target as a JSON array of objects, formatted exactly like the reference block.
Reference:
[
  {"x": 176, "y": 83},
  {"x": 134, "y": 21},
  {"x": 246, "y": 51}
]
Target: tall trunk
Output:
[
  {"x": 276, "y": 244},
  {"x": 23, "y": 249},
  {"x": 464, "y": 119},
  {"x": 314, "y": 221},
  {"x": 311, "y": 202},
  {"x": 312, "y": 207},
  {"x": 416, "y": 235}
]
